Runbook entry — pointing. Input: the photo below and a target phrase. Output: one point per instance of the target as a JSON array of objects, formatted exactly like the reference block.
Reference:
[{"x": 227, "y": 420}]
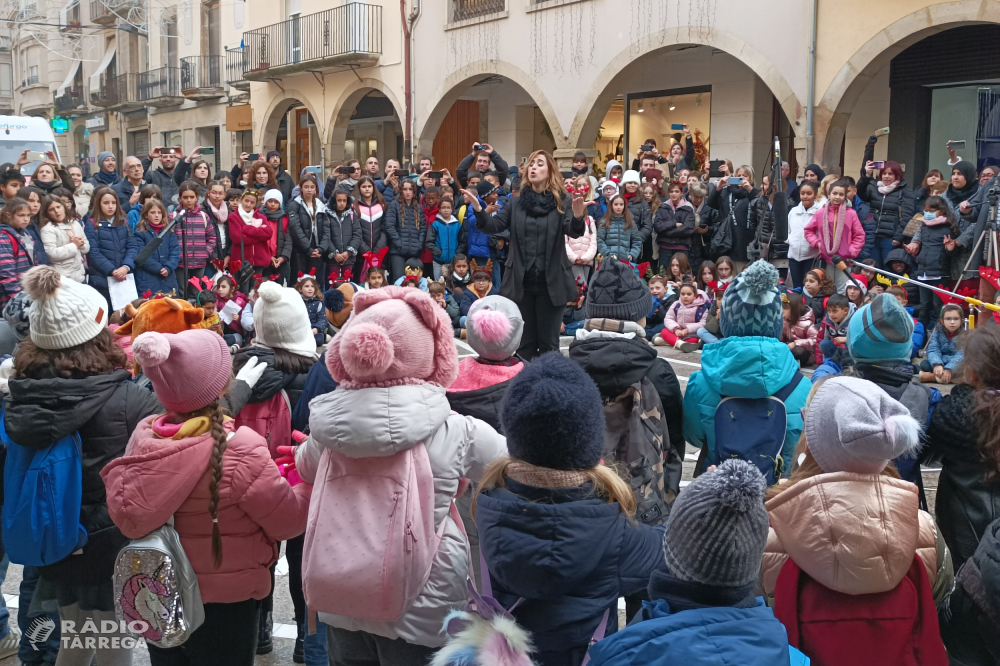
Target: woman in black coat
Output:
[
  {"x": 736, "y": 198},
  {"x": 309, "y": 228},
  {"x": 539, "y": 276},
  {"x": 891, "y": 202}
]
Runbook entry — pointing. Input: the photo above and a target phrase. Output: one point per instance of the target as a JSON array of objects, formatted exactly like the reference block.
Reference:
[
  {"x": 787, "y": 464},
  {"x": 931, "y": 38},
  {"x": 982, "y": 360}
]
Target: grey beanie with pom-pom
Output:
[
  {"x": 717, "y": 528},
  {"x": 64, "y": 313},
  {"x": 751, "y": 305}
]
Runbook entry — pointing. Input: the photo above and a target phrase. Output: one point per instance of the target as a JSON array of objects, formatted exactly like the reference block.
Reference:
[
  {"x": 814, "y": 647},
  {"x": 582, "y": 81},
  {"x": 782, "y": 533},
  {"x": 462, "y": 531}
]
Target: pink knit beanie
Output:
[
  {"x": 188, "y": 370},
  {"x": 394, "y": 336}
]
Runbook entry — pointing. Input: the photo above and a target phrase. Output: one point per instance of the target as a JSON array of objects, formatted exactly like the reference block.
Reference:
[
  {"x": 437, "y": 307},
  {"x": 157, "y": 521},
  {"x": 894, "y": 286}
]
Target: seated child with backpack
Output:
[
  {"x": 556, "y": 527},
  {"x": 393, "y": 361},
  {"x": 799, "y": 330},
  {"x": 703, "y": 610},
  {"x": 943, "y": 353},
  {"x": 309, "y": 288},
  {"x": 854, "y": 565},
  {"x": 684, "y": 318},
  {"x": 217, "y": 483}
]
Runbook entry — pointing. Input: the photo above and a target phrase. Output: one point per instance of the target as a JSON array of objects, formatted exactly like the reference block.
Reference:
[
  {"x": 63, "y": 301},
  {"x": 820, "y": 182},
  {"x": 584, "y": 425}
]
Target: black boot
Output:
[
  {"x": 264, "y": 644},
  {"x": 298, "y": 654}
]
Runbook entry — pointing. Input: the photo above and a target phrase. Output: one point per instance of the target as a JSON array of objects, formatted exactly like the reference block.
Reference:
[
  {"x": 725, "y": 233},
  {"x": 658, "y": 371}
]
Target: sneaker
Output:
[
  {"x": 9, "y": 645},
  {"x": 677, "y": 345},
  {"x": 233, "y": 349},
  {"x": 659, "y": 341},
  {"x": 688, "y": 347},
  {"x": 264, "y": 642}
]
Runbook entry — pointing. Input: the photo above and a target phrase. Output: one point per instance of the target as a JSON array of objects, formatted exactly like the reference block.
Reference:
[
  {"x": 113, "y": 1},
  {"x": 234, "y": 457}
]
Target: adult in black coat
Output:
[
  {"x": 735, "y": 199},
  {"x": 967, "y": 498},
  {"x": 285, "y": 182},
  {"x": 483, "y": 159},
  {"x": 970, "y": 617},
  {"x": 539, "y": 276},
  {"x": 891, "y": 201}
]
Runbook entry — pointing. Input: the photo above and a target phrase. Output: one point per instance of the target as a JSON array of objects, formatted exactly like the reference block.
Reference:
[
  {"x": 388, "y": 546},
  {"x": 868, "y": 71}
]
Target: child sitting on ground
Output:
[
  {"x": 414, "y": 270},
  {"x": 459, "y": 277},
  {"x": 683, "y": 319},
  {"x": 833, "y": 332},
  {"x": 654, "y": 320},
  {"x": 816, "y": 288},
  {"x": 208, "y": 303},
  {"x": 856, "y": 292},
  {"x": 711, "y": 331},
  {"x": 450, "y": 305},
  {"x": 943, "y": 353},
  {"x": 575, "y": 313},
  {"x": 375, "y": 278},
  {"x": 232, "y": 328},
  {"x": 481, "y": 287},
  {"x": 918, "y": 327},
  {"x": 799, "y": 330},
  {"x": 309, "y": 289}
]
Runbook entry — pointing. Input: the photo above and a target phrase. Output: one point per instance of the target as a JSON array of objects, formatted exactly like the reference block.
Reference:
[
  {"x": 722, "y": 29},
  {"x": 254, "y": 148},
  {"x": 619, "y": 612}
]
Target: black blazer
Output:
[{"x": 558, "y": 269}]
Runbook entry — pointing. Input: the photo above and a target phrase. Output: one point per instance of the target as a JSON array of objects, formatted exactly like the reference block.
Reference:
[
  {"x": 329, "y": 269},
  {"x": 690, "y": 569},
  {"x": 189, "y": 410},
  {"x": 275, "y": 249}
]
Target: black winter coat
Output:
[
  {"x": 300, "y": 227},
  {"x": 104, "y": 409},
  {"x": 970, "y": 617},
  {"x": 934, "y": 259},
  {"x": 616, "y": 363},
  {"x": 737, "y": 200},
  {"x": 483, "y": 404},
  {"x": 406, "y": 228},
  {"x": 890, "y": 211},
  {"x": 665, "y": 224},
  {"x": 966, "y": 502},
  {"x": 501, "y": 167},
  {"x": 516, "y": 216},
  {"x": 165, "y": 181},
  {"x": 642, "y": 217},
  {"x": 344, "y": 234},
  {"x": 273, "y": 380}
]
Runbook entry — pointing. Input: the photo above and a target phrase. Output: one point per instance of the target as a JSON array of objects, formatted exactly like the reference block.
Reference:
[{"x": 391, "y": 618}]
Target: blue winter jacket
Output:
[
  {"x": 479, "y": 241},
  {"x": 942, "y": 350},
  {"x": 569, "y": 554},
  {"x": 133, "y": 215},
  {"x": 918, "y": 333},
  {"x": 699, "y": 635},
  {"x": 168, "y": 255},
  {"x": 864, "y": 213},
  {"x": 750, "y": 367},
  {"x": 469, "y": 297},
  {"x": 110, "y": 249}
]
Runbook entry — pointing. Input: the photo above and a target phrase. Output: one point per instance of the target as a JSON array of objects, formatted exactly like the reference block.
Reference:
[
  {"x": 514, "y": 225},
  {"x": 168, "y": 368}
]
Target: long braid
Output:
[{"x": 221, "y": 442}]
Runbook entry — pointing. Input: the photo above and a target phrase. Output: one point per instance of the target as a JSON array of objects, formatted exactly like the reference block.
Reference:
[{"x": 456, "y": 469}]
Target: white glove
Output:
[{"x": 251, "y": 372}]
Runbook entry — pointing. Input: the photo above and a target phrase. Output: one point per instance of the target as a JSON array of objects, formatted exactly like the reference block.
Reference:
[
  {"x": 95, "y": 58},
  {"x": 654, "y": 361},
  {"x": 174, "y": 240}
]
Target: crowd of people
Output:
[{"x": 289, "y": 373}]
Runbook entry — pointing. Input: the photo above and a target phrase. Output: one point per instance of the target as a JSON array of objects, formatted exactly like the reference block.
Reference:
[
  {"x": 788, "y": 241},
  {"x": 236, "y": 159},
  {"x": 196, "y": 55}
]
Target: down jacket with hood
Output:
[
  {"x": 748, "y": 367},
  {"x": 159, "y": 478},
  {"x": 65, "y": 256},
  {"x": 111, "y": 247},
  {"x": 692, "y": 317},
  {"x": 105, "y": 410},
  {"x": 855, "y": 534},
  {"x": 344, "y": 234},
  {"x": 619, "y": 240},
  {"x": 373, "y": 422},
  {"x": 583, "y": 250},
  {"x": 309, "y": 229},
  {"x": 674, "y": 227},
  {"x": 406, "y": 228},
  {"x": 890, "y": 211},
  {"x": 571, "y": 555},
  {"x": 803, "y": 333}
]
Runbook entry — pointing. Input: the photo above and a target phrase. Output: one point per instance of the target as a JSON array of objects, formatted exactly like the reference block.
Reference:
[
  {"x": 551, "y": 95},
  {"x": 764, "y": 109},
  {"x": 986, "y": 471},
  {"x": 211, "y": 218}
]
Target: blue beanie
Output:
[
  {"x": 553, "y": 416},
  {"x": 751, "y": 305},
  {"x": 333, "y": 300},
  {"x": 880, "y": 332}
]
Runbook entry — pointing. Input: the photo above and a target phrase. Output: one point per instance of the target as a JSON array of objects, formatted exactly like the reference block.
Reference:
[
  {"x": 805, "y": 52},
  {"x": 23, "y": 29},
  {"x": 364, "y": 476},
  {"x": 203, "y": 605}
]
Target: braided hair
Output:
[{"x": 219, "y": 448}]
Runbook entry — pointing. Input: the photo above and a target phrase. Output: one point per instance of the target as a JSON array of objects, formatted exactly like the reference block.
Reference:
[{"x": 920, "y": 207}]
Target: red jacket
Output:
[
  {"x": 158, "y": 478},
  {"x": 256, "y": 240}
]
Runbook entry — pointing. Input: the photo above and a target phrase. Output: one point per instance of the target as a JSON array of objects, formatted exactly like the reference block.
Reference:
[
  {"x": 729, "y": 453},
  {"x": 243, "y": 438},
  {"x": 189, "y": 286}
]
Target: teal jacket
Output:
[{"x": 751, "y": 367}]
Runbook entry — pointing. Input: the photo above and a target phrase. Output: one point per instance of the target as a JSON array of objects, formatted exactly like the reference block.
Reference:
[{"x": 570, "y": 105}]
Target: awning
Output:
[
  {"x": 95, "y": 78},
  {"x": 73, "y": 67}
]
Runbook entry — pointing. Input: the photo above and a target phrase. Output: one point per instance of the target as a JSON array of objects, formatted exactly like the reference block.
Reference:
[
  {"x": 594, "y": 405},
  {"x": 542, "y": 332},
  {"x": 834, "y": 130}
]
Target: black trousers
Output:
[
  {"x": 227, "y": 638},
  {"x": 293, "y": 555},
  {"x": 542, "y": 321},
  {"x": 359, "y": 648}
]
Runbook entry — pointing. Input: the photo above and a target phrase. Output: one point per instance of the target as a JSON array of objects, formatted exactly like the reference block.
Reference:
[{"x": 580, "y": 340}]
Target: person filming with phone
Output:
[
  {"x": 163, "y": 175},
  {"x": 484, "y": 159}
]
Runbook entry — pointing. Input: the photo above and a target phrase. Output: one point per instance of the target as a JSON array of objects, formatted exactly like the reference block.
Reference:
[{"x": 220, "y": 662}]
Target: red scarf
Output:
[
  {"x": 628, "y": 197},
  {"x": 430, "y": 214}
]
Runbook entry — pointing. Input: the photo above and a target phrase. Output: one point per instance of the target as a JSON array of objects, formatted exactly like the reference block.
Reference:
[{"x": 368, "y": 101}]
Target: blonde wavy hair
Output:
[
  {"x": 554, "y": 183},
  {"x": 607, "y": 485}
]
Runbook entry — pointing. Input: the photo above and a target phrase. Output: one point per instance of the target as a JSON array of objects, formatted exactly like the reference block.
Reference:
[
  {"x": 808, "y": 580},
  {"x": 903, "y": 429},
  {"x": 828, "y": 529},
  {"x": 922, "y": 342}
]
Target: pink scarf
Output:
[
  {"x": 839, "y": 220},
  {"x": 937, "y": 221},
  {"x": 886, "y": 189}
]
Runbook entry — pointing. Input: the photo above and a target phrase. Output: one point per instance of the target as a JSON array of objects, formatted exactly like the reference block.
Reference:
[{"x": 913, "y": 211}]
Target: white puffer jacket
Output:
[
  {"x": 799, "y": 248},
  {"x": 65, "y": 256},
  {"x": 373, "y": 422},
  {"x": 582, "y": 250}
]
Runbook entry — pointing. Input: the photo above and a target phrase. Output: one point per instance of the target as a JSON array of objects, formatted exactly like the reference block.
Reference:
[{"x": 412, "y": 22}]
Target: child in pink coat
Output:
[
  {"x": 229, "y": 502},
  {"x": 684, "y": 318},
  {"x": 799, "y": 328},
  {"x": 836, "y": 230}
]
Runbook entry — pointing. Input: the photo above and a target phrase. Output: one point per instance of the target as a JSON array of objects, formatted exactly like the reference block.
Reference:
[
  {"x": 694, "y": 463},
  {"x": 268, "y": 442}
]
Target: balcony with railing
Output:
[
  {"x": 28, "y": 11},
  {"x": 124, "y": 9},
  {"x": 72, "y": 102},
  {"x": 201, "y": 77},
  {"x": 101, "y": 14},
  {"x": 235, "y": 66},
  {"x": 119, "y": 93},
  {"x": 350, "y": 35},
  {"x": 30, "y": 80},
  {"x": 160, "y": 87},
  {"x": 470, "y": 9}
]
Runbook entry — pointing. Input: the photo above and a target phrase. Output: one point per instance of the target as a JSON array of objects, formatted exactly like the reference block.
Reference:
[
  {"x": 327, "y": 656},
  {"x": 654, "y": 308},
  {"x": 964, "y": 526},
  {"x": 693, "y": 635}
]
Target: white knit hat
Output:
[
  {"x": 65, "y": 313},
  {"x": 630, "y": 176},
  {"x": 273, "y": 194},
  {"x": 282, "y": 321}
]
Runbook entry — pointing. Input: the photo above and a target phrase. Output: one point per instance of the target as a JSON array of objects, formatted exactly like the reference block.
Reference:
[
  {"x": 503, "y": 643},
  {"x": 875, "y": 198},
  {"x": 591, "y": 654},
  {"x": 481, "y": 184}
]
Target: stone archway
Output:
[
  {"x": 344, "y": 109},
  {"x": 266, "y": 130}
]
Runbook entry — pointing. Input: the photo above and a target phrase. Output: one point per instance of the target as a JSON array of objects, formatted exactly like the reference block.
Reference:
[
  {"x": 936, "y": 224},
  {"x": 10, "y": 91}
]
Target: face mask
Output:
[{"x": 928, "y": 215}]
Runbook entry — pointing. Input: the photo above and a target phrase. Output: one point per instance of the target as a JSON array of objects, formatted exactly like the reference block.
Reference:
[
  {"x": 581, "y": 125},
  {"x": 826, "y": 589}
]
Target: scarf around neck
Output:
[
  {"x": 886, "y": 189},
  {"x": 249, "y": 218},
  {"x": 839, "y": 216},
  {"x": 537, "y": 204},
  {"x": 107, "y": 178}
]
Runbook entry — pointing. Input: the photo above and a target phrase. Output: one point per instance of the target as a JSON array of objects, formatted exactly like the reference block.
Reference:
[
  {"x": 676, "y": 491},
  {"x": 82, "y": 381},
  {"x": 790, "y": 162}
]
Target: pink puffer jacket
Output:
[
  {"x": 853, "y": 533},
  {"x": 158, "y": 478},
  {"x": 679, "y": 314},
  {"x": 803, "y": 333},
  {"x": 582, "y": 250}
]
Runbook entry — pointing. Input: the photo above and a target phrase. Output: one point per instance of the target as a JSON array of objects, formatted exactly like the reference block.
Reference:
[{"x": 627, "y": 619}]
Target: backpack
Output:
[
  {"x": 698, "y": 313},
  {"x": 271, "y": 419},
  {"x": 898, "y": 627},
  {"x": 635, "y": 430},
  {"x": 753, "y": 429},
  {"x": 370, "y": 539},
  {"x": 42, "y": 493},
  {"x": 156, "y": 589}
]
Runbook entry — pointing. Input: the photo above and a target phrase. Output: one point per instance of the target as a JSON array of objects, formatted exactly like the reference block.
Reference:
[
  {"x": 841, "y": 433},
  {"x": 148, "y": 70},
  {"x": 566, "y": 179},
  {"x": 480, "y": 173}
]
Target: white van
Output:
[{"x": 20, "y": 133}]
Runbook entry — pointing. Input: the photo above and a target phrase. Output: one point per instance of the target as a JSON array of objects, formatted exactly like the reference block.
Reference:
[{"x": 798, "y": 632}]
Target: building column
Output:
[{"x": 511, "y": 130}]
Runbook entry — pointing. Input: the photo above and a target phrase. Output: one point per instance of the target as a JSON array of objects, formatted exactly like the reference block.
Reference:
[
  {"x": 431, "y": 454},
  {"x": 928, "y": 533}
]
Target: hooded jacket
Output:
[
  {"x": 345, "y": 234},
  {"x": 111, "y": 247},
  {"x": 308, "y": 229},
  {"x": 803, "y": 333},
  {"x": 480, "y": 389},
  {"x": 446, "y": 238},
  {"x": 966, "y": 502},
  {"x": 742, "y": 367},
  {"x": 369, "y": 422},
  {"x": 970, "y": 627},
  {"x": 569, "y": 554},
  {"x": 105, "y": 410},
  {"x": 582, "y": 250},
  {"x": 698, "y": 625},
  {"x": 617, "y": 362},
  {"x": 159, "y": 478},
  {"x": 692, "y": 317},
  {"x": 799, "y": 248},
  {"x": 853, "y": 533},
  {"x": 406, "y": 227}
]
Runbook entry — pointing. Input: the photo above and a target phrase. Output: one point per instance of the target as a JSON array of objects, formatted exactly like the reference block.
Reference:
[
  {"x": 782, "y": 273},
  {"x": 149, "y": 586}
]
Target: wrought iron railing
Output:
[
  {"x": 201, "y": 72},
  {"x": 70, "y": 100},
  {"x": 352, "y": 28},
  {"x": 122, "y": 89},
  {"x": 159, "y": 83},
  {"x": 235, "y": 66},
  {"x": 467, "y": 9}
]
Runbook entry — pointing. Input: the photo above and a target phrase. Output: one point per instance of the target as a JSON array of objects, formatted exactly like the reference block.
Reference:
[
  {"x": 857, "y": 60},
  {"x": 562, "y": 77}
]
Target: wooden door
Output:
[
  {"x": 301, "y": 142},
  {"x": 459, "y": 130}
]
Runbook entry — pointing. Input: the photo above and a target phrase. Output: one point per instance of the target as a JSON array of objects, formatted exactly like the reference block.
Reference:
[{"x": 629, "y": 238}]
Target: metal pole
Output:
[
  {"x": 968, "y": 299},
  {"x": 811, "y": 103}
]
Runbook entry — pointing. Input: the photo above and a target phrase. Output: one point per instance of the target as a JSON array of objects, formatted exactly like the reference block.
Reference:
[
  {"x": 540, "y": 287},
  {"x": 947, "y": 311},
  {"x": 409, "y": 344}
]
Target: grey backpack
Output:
[{"x": 156, "y": 590}]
